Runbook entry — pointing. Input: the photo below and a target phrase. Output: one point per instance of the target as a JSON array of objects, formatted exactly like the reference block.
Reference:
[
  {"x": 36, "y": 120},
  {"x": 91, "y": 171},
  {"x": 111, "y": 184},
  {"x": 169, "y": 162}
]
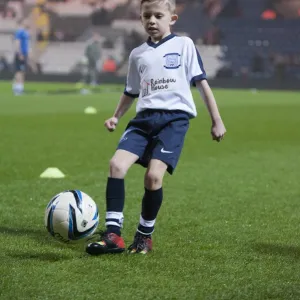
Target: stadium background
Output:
[
  {"x": 229, "y": 224},
  {"x": 243, "y": 43}
]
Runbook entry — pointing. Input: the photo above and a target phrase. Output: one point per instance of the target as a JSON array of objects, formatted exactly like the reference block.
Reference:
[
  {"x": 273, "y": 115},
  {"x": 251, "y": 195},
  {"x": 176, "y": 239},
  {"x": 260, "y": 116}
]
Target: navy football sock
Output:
[
  {"x": 115, "y": 198},
  {"x": 150, "y": 207}
]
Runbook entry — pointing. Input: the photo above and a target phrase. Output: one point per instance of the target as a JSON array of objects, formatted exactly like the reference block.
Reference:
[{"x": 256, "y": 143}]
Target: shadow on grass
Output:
[
  {"x": 45, "y": 256},
  {"x": 40, "y": 250},
  {"x": 40, "y": 235},
  {"x": 277, "y": 249},
  {"x": 22, "y": 231}
]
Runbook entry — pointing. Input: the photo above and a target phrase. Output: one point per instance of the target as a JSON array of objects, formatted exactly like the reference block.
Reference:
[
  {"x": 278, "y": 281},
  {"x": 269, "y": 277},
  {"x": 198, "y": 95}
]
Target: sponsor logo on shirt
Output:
[
  {"x": 156, "y": 85},
  {"x": 145, "y": 88}
]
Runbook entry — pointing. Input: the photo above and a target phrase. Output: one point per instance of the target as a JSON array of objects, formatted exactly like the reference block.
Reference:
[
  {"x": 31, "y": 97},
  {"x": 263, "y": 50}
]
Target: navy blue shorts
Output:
[
  {"x": 20, "y": 65},
  {"x": 156, "y": 134}
]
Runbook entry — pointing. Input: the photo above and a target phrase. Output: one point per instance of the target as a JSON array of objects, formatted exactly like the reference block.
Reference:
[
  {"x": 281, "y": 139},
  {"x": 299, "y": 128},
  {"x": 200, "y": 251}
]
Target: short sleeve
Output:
[
  {"x": 195, "y": 66},
  {"x": 132, "y": 88}
]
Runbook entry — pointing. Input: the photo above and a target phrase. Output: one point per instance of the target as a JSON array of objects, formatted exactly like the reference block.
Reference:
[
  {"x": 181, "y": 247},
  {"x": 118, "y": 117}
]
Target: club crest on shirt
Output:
[{"x": 172, "y": 61}]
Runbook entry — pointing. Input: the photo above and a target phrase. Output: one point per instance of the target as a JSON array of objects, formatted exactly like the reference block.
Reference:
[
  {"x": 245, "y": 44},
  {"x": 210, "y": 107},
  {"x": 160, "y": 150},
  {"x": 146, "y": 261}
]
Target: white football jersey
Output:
[{"x": 161, "y": 74}]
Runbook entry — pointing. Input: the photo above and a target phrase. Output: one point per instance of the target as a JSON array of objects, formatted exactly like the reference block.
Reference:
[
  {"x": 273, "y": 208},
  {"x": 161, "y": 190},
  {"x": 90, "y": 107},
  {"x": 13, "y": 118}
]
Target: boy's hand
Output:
[
  {"x": 218, "y": 130},
  {"x": 111, "y": 123}
]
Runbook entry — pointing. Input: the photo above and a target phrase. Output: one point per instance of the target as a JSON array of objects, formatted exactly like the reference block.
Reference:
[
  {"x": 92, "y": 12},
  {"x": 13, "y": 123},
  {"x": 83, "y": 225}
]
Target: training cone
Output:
[
  {"x": 52, "y": 173},
  {"x": 90, "y": 110}
]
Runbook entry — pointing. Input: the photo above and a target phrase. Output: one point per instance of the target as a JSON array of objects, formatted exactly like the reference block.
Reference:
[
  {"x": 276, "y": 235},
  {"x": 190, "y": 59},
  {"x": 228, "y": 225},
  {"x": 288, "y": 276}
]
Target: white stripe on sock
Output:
[
  {"x": 146, "y": 223},
  {"x": 112, "y": 223},
  {"x": 114, "y": 215},
  {"x": 144, "y": 232}
]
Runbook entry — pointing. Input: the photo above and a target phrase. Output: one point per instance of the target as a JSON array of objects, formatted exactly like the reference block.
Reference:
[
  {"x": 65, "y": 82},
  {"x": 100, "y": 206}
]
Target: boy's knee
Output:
[
  {"x": 153, "y": 180},
  {"x": 117, "y": 168}
]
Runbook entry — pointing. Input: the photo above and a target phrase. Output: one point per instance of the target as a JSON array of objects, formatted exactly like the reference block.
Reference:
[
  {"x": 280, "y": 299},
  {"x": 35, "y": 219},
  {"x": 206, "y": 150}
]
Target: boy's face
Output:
[{"x": 157, "y": 19}]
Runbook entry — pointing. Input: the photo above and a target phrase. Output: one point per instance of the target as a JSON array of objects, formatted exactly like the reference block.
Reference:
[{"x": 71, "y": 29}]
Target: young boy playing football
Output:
[{"x": 160, "y": 74}]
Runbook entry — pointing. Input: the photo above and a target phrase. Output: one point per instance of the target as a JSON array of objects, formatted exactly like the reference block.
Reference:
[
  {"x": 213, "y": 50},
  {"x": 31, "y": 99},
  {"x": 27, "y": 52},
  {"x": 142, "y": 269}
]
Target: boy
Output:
[
  {"x": 22, "y": 38},
  {"x": 160, "y": 73}
]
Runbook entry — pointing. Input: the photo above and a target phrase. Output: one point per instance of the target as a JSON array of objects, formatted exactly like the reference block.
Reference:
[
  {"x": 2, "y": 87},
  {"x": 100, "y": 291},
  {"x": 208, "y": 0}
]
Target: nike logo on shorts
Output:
[{"x": 164, "y": 151}]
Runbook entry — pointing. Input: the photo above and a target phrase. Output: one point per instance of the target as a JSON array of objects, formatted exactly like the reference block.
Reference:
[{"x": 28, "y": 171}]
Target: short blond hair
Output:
[{"x": 170, "y": 3}]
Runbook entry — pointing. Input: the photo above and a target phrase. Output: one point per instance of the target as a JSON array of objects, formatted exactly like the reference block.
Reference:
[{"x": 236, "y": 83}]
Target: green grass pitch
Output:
[{"x": 229, "y": 224}]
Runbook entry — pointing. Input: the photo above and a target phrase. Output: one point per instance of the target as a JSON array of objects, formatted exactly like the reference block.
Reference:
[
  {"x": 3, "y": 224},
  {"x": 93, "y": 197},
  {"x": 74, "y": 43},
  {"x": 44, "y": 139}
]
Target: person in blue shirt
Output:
[{"x": 22, "y": 41}]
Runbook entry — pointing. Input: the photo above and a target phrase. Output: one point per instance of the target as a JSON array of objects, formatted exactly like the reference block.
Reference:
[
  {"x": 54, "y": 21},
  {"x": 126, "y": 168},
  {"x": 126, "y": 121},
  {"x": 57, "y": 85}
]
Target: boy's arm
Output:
[
  {"x": 218, "y": 129},
  {"x": 197, "y": 76},
  {"x": 123, "y": 106},
  {"x": 209, "y": 100},
  {"x": 131, "y": 92}
]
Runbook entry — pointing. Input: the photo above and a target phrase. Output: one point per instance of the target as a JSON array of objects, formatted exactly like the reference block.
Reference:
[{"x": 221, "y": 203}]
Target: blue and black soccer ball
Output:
[{"x": 71, "y": 216}]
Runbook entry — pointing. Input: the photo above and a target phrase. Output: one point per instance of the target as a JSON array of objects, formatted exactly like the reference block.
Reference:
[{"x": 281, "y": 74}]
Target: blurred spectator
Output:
[
  {"x": 287, "y": 9},
  {"x": 212, "y": 8},
  {"x": 191, "y": 20},
  {"x": 212, "y": 36},
  {"x": 41, "y": 25},
  {"x": 133, "y": 12},
  {"x": 280, "y": 63},
  {"x": 134, "y": 39},
  {"x": 8, "y": 10},
  {"x": 295, "y": 59},
  {"x": 269, "y": 14},
  {"x": 231, "y": 10},
  {"x": 93, "y": 53},
  {"x": 243, "y": 73},
  {"x": 2, "y": 8},
  {"x": 257, "y": 63},
  {"x": 41, "y": 20},
  {"x": 100, "y": 17},
  {"x": 180, "y": 6},
  {"x": 225, "y": 72},
  {"x": 58, "y": 36},
  {"x": 109, "y": 65},
  {"x": 4, "y": 66}
]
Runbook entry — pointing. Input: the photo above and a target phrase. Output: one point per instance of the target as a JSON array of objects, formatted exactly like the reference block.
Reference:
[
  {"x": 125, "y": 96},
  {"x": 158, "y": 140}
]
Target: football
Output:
[{"x": 71, "y": 216}]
